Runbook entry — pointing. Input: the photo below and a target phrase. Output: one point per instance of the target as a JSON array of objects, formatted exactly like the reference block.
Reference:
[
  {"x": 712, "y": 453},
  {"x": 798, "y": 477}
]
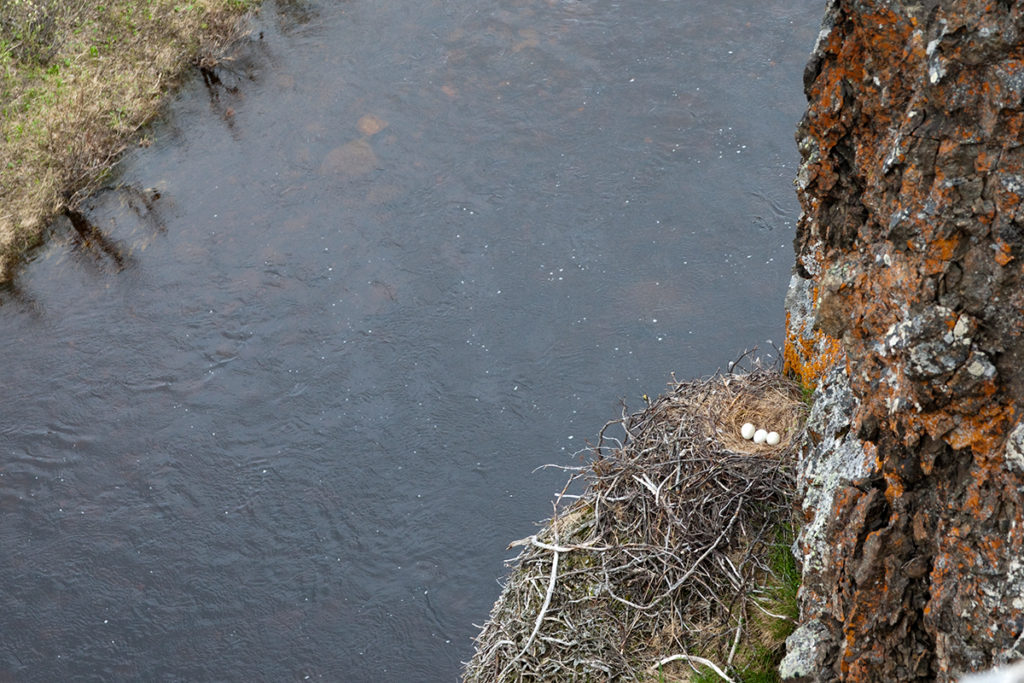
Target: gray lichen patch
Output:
[
  {"x": 934, "y": 342},
  {"x": 831, "y": 459},
  {"x": 803, "y": 653}
]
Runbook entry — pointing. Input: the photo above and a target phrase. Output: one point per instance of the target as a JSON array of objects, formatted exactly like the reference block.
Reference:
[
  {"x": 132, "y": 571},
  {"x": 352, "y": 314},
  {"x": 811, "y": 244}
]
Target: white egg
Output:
[
  {"x": 747, "y": 431},
  {"x": 760, "y": 435},
  {"x": 772, "y": 439}
]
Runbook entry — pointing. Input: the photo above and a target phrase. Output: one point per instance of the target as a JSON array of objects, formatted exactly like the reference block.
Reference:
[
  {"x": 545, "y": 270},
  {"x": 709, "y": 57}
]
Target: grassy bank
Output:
[{"x": 78, "y": 78}]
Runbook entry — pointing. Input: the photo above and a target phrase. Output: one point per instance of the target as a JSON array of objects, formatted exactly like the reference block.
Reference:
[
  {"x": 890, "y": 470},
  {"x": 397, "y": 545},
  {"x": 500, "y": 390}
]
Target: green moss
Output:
[
  {"x": 807, "y": 394},
  {"x": 762, "y": 649},
  {"x": 787, "y": 573}
]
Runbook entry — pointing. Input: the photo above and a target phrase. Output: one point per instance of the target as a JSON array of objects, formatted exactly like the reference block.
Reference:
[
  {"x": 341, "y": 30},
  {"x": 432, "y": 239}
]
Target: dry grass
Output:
[
  {"x": 78, "y": 78},
  {"x": 677, "y": 547}
]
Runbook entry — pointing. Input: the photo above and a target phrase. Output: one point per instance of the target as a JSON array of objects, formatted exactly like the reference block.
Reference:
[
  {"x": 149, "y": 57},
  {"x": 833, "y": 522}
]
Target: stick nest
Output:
[{"x": 667, "y": 550}]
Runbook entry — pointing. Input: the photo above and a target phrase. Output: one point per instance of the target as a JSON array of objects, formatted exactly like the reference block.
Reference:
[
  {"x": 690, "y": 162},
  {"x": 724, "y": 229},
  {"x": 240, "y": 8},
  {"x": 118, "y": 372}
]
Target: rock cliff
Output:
[{"x": 906, "y": 317}]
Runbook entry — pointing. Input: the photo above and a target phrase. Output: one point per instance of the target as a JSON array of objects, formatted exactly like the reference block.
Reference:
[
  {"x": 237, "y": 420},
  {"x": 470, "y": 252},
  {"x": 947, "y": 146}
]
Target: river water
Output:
[{"x": 278, "y": 415}]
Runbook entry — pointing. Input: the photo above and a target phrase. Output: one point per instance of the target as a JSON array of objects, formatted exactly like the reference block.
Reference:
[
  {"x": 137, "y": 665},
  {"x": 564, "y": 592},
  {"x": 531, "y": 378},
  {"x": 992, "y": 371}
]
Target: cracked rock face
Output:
[
  {"x": 906, "y": 314},
  {"x": 933, "y": 343}
]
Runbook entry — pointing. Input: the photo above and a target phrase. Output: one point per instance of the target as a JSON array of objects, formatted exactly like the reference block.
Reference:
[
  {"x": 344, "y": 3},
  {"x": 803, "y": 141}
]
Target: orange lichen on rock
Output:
[
  {"x": 983, "y": 432},
  {"x": 808, "y": 358},
  {"x": 1003, "y": 255}
]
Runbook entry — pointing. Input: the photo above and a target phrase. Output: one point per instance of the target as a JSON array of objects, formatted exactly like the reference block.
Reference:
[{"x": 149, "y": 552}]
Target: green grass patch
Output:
[
  {"x": 763, "y": 646},
  {"x": 760, "y": 665},
  {"x": 807, "y": 394}
]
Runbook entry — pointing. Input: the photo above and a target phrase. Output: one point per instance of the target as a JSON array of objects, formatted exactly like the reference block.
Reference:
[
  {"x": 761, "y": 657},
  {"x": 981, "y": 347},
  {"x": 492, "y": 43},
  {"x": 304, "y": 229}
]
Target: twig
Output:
[
  {"x": 540, "y": 615},
  {"x": 691, "y": 658},
  {"x": 534, "y": 541},
  {"x": 649, "y": 485},
  {"x": 783, "y": 617},
  {"x": 735, "y": 643}
]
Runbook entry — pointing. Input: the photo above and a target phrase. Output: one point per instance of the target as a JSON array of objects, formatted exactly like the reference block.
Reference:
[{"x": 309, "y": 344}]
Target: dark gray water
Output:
[{"x": 280, "y": 422}]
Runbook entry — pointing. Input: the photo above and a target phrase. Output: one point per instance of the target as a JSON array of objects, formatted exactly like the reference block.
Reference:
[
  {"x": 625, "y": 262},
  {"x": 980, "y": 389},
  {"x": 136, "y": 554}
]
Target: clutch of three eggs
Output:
[{"x": 749, "y": 432}]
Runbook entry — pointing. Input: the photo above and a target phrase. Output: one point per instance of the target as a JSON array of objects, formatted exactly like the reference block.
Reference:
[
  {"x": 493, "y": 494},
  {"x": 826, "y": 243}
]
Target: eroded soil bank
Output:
[{"x": 77, "y": 82}]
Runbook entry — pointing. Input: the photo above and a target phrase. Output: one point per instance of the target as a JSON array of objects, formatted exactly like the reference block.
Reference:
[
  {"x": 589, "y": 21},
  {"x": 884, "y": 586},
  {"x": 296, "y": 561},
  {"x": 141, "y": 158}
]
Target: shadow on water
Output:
[
  {"x": 224, "y": 87},
  {"x": 294, "y": 14},
  {"x": 273, "y": 405},
  {"x": 89, "y": 239},
  {"x": 92, "y": 240}
]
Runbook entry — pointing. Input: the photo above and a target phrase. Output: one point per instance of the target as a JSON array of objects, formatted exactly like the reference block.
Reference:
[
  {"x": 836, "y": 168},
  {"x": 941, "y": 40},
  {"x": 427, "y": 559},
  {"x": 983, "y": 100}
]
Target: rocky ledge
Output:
[{"x": 905, "y": 316}]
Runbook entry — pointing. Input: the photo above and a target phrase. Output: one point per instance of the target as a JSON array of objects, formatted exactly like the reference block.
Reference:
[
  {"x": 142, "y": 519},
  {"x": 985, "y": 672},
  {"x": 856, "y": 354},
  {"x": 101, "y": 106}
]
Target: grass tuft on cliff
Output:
[{"x": 78, "y": 78}]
